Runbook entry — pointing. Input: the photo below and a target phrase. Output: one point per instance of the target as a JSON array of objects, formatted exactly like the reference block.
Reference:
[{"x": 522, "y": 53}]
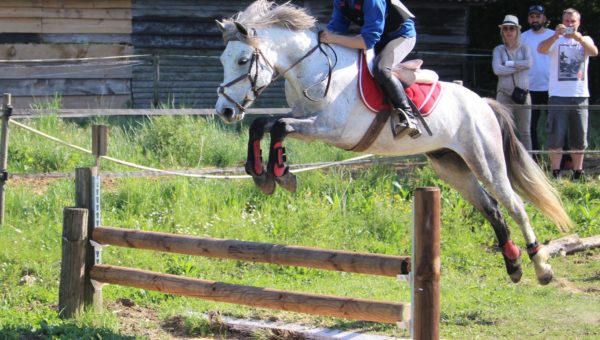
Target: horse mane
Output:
[{"x": 264, "y": 13}]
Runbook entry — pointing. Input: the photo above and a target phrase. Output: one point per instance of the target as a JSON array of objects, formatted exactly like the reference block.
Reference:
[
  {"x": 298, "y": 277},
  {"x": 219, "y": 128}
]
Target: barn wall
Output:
[
  {"x": 180, "y": 43},
  {"x": 183, "y": 34},
  {"x": 66, "y": 29}
]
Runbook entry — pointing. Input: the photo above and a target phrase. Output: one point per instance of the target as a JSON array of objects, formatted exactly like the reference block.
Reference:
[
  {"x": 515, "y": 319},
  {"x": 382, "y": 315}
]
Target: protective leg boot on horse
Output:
[{"x": 403, "y": 120}]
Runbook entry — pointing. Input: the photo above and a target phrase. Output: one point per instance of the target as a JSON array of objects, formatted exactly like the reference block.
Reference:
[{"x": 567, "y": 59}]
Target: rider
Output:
[{"x": 388, "y": 26}]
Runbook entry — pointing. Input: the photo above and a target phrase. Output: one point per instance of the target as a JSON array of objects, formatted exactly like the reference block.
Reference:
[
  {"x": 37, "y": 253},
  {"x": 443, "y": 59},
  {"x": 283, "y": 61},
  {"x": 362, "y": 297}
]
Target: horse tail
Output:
[{"x": 525, "y": 175}]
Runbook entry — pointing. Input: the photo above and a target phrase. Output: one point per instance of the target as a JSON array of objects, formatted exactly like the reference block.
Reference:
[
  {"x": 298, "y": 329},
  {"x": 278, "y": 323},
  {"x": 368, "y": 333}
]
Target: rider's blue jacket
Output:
[{"x": 371, "y": 17}]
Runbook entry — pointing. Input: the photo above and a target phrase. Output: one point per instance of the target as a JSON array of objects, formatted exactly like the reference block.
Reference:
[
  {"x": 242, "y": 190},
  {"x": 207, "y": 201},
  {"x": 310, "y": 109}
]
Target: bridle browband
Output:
[{"x": 256, "y": 90}]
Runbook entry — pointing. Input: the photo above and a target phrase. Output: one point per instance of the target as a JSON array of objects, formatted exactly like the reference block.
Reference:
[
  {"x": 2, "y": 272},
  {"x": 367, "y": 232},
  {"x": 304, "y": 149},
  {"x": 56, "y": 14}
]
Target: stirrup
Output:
[{"x": 402, "y": 127}]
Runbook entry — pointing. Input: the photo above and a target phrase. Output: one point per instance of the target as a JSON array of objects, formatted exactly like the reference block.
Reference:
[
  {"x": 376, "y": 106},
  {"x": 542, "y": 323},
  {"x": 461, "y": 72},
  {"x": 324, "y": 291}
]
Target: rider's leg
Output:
[{"x": 393, "y": 53}]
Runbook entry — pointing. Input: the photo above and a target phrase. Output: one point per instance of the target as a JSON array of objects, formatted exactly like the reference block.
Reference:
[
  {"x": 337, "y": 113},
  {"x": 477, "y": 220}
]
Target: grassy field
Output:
[{"x": 339, "y": 208}]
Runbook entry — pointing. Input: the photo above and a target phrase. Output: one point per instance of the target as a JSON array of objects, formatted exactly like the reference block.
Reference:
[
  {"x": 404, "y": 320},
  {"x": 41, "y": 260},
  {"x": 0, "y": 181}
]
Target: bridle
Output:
[{"x": 257, "y": 90}]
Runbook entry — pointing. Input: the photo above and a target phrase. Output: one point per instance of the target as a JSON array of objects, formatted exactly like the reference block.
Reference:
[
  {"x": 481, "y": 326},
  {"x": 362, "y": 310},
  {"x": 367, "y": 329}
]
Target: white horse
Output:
[{"x": 472, "y": 146}]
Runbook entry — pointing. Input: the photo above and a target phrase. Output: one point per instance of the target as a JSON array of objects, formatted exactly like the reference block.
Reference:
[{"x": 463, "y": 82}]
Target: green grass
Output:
[{"x": 366, "y": 210}]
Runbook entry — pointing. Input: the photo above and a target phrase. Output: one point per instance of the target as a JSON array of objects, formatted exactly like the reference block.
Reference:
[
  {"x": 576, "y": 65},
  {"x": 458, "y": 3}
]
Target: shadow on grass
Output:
[{"x": 63, "y": 331}]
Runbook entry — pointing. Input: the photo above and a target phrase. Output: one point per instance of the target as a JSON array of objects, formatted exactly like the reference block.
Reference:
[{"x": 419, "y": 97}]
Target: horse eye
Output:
[{"x": 242, "y": 61}]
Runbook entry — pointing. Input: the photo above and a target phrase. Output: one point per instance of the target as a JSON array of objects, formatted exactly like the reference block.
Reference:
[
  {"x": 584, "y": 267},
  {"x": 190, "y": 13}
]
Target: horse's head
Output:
[
  {"x": 246, "y": 71},
  {"x": 249, "y": 62}
]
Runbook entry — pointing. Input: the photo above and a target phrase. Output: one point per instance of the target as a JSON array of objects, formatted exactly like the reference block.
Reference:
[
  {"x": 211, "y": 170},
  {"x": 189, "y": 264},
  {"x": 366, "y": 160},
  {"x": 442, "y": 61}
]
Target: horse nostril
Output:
[{"x": 228, "y": 112}]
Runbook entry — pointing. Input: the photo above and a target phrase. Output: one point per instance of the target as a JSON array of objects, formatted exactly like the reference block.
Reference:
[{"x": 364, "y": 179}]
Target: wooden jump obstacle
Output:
[{"x": 81, "y": 267}]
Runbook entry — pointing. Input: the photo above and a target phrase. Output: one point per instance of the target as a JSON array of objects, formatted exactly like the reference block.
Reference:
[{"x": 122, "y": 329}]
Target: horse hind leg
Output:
[
  {"x": 254, "y": 165},
  {"x": 451, "y": 168},
  {"x": 491, "y": 172}
]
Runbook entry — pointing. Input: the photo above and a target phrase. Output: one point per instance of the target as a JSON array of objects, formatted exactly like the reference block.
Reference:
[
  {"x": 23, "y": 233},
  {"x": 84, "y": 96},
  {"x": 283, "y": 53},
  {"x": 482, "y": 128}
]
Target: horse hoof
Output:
[
  {"x": 544, "y": 274},
  {"x": 546, "y": 278},
  {"x": 265, "y": 182},
  {"x": 516, "y": 276},
  {"x": 513, "y": 268},
  {"x": 543, "y": 270},
  {"x": 287, "y": 181}
]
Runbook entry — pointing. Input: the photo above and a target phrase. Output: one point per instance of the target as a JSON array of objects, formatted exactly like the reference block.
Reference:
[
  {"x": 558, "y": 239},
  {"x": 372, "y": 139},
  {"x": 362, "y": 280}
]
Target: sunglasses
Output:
[
  {"x": 508, "y": 28},
  {"x": 536, "y": 8}
]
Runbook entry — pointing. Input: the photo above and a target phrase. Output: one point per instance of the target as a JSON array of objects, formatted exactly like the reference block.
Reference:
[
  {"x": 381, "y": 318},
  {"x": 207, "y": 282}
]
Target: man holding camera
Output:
[{"x": 569, "y": 53}]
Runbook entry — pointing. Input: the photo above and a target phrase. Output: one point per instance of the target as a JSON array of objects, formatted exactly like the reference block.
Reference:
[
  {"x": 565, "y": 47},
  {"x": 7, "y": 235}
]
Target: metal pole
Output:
[{"x": 6, "y": 113}]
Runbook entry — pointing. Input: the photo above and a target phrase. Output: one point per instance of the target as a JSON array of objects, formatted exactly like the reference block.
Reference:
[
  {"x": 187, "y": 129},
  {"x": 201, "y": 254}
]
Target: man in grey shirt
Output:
[{"x": 569, "y": 53}]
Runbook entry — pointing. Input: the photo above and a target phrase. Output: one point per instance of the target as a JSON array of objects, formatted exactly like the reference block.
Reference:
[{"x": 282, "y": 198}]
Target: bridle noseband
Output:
[{"x": 257, "y": 90}]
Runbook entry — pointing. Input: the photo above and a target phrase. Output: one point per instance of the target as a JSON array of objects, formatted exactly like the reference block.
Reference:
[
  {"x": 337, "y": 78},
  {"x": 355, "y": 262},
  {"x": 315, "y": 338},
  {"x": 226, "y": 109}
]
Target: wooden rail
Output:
[
  {"x": 345, "y": 261},
  {"x": 356, "y": 309}
]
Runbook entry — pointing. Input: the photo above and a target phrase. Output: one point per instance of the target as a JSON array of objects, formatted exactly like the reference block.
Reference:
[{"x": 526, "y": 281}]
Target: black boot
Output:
[
  {"x": 403, "y": 120},
  {"x": 406, "y": 123}
]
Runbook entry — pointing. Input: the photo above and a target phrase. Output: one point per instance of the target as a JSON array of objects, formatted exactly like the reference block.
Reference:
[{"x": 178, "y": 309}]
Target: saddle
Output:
[
  {"x": 421, "y": 85},
  {"x": 422, "y": 89}
]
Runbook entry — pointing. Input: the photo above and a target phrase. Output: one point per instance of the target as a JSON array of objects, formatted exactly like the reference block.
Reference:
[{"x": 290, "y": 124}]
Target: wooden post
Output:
[
  {"x": 6, "y": 113},
  {"x": 426, "y": 264},
  {"x": 72, "y": 269},
  {"x": 85, "y": 191},
  {"x": 99, "y": 142}
]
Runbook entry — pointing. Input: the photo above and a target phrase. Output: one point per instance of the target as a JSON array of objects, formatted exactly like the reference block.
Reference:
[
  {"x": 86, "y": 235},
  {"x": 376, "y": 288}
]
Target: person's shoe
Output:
[
  {"x": 578, "y": 175},
  {"x": 404, "y": 123},
  {"x": 556, "y": 174}
]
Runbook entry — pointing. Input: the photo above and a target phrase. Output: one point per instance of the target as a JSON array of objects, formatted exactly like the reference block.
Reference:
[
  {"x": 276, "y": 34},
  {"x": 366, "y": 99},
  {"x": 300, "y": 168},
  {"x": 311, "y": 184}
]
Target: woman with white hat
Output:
[{"x": 511, "y": 62}]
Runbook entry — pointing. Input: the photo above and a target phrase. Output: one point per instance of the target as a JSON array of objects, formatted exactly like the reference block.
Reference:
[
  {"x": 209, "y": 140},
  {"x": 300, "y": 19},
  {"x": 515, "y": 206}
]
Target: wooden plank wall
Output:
[
  {"x": 183, "y": 34},
  {"x": 66, "y": 29}
]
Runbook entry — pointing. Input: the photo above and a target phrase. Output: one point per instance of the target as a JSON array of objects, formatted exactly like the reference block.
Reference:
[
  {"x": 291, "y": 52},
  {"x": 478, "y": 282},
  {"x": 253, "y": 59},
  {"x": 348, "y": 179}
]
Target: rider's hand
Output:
[{"x": 327, "y": 37}]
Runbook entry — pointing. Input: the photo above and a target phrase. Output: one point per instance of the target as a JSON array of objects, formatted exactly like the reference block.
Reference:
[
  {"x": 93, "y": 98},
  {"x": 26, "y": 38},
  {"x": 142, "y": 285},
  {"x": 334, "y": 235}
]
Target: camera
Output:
[{"x": 568, "y": 30}]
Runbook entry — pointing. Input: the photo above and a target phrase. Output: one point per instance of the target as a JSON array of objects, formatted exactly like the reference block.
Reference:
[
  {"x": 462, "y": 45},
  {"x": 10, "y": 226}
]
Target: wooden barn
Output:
[{"x": 142, "y": 53}]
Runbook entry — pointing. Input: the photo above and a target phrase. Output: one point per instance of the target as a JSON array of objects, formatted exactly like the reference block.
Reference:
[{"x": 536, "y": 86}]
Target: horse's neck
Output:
[{"x": 314, "y": 69}]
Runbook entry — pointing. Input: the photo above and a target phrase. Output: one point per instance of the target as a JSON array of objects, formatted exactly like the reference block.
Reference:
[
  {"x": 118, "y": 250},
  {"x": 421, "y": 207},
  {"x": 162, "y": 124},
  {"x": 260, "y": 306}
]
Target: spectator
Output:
[
  {"x": 569, "y": 53},
  {"x": 539, "y": 71},
  {"x": 511, "y": 61}
]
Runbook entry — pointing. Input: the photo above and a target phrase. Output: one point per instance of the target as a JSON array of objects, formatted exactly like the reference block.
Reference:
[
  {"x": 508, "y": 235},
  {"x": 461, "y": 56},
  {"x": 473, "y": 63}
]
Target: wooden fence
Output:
[{"x": 80, "y": 265}]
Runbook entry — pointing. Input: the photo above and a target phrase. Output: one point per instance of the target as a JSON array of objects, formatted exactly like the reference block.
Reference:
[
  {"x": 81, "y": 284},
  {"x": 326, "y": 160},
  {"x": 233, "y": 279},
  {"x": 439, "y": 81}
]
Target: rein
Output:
[{"x": 256, "y": 91}]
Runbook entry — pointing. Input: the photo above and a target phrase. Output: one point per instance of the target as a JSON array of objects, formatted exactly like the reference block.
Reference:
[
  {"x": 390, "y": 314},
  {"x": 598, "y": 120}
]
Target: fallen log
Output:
[{"x": 572, "y": 244}]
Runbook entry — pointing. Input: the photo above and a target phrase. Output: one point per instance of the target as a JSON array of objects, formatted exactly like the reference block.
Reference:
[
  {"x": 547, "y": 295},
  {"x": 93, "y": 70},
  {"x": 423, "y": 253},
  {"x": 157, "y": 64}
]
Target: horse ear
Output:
[
  {"x": 220, "y": 25},
  {"x": 241, "y": 28}
]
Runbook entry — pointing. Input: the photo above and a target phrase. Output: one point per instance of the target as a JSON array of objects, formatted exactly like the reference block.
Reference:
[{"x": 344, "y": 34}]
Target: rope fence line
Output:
[
  {"x": 99, "y": 67},
  {"x": 209, "y": 173},
  {"x": 74, "y": 60},
  {"x": 415, "y": 52},
  {"x": 307, "y": 167}
]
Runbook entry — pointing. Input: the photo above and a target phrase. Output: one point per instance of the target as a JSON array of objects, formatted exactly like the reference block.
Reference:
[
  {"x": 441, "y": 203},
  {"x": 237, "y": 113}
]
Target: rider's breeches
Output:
[{"x": 393, "y": 53}]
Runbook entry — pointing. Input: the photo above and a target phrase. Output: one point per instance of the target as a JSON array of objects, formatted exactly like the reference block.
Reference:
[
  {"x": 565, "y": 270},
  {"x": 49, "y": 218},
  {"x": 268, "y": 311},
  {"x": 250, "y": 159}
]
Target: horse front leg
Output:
[
  {"x": 254, "y": 165},
  {"x": 277, "y": 166}
]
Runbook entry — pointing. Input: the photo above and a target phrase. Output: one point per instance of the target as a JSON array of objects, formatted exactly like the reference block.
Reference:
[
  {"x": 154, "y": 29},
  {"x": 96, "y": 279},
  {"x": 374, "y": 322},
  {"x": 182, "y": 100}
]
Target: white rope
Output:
[
  {"x": 75, "y": 59},
  {"x": 177, "y": 173},
  {"x": 49, "y": 137}
]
